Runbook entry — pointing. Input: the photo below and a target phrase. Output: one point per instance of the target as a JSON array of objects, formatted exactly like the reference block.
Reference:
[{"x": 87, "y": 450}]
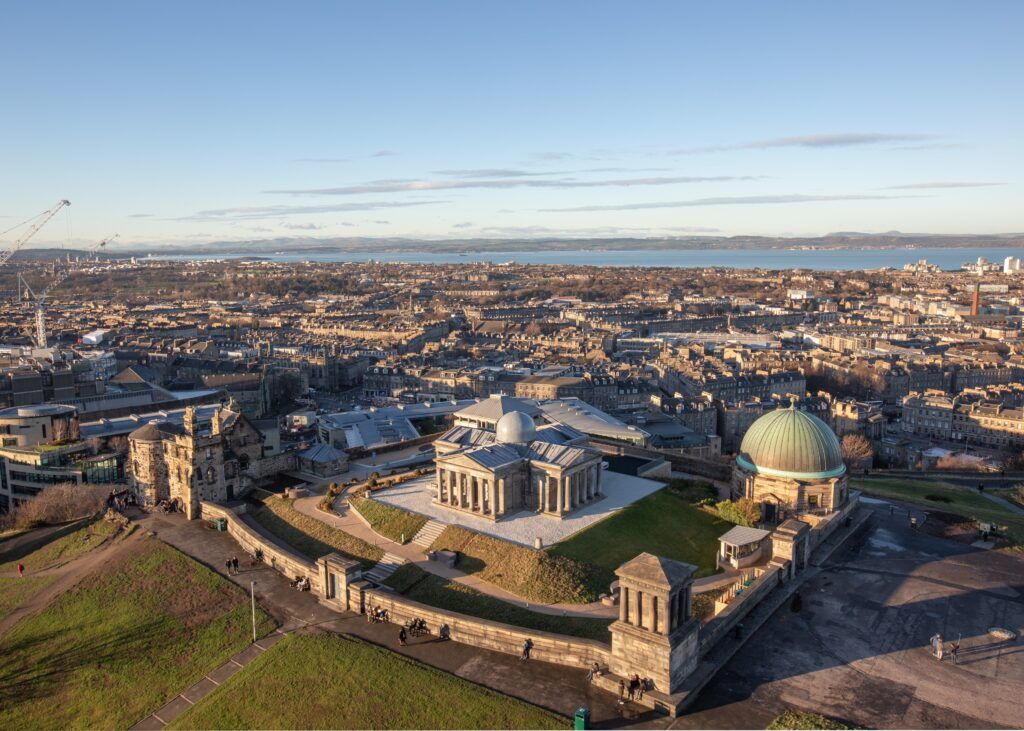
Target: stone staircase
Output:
[
  {"x": 384, "y": 568},
  {"x": 428, "y": 533}
]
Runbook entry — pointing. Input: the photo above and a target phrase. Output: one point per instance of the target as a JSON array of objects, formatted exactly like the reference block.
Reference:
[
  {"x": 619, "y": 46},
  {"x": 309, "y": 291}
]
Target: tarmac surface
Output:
[{"x": 858, "y": 650}]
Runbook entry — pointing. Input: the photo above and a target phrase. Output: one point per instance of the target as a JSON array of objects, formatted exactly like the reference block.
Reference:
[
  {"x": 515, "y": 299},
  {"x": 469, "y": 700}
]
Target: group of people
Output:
[
  {"x": 417, "y": 626},
  {"x": 940, "y": 649},
  {"x": 377, "y": 614},
  {"x": 232, "y": 565},
  {"x": 301, "y": 583},
  {"x": 635, "y": 690}
]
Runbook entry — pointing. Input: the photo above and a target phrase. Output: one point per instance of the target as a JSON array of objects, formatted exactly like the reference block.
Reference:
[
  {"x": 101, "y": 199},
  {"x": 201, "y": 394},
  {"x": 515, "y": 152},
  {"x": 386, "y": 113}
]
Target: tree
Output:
[
  {"x": 741, "y": 512},
  {"x": 857, "y": 451}
]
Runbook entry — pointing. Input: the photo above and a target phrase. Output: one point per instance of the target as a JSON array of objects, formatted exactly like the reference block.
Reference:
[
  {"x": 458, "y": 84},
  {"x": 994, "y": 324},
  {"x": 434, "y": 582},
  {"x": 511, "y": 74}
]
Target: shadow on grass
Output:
[
  {"x": 23, "y": 550},
  {"x": 35, "y": 675}
]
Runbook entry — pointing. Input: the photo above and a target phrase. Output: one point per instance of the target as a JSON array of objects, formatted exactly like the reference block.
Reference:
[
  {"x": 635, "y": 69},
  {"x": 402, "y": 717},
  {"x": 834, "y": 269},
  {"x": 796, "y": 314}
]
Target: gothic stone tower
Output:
[{"x": 656, "y": 635}]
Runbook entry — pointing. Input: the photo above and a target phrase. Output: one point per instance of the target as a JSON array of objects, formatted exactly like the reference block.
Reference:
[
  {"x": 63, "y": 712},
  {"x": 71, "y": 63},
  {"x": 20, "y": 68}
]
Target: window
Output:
[{"x": 812, "y": 500}]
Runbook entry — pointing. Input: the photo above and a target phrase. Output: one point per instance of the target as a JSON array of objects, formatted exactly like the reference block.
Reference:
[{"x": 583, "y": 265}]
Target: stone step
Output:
[
  {"x": 428, "y": 533},
  {"x": 384, "y": 568}
]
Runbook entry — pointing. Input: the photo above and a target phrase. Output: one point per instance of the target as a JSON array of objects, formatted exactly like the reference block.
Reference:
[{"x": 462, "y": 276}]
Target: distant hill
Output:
[{"x": 838, "y": 240}]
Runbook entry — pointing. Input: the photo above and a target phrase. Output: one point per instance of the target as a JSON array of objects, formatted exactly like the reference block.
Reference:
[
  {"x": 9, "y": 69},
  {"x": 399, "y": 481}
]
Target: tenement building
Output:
[
  {"x": 518, "y": 466},
  {"x": 790, "y": 462}
]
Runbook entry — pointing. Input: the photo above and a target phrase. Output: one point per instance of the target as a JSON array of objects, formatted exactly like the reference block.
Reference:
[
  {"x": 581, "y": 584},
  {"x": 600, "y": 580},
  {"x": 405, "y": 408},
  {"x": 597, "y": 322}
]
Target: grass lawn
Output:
[
  {"x": 941, "y": 496},
  {"x": 117, "y": 646},
  {"x": 418, "y": 585},
  {"x": 329, "y": 681},
  {"x": 62, "y": 545},
  {"x": 391, "y": 522},
  {"x": 310, "y": 536},
  {"x": 664, "y": 523},
  {"x": 14, "y": 591}
]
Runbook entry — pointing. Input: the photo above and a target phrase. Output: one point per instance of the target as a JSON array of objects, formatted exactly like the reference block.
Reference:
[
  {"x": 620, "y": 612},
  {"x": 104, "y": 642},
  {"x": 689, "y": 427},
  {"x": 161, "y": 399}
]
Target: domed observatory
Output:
[
  {"x": 790, "y": 462},
  {"x": 517, "y": 466}
]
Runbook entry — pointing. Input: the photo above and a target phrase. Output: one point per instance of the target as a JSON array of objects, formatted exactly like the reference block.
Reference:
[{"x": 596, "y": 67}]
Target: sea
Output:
[{"x": 819, "y": 259}]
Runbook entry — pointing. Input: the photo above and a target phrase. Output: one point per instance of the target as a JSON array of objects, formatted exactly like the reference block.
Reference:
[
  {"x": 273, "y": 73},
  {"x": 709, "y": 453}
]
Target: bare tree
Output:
[{"x": 857, "y": 451}]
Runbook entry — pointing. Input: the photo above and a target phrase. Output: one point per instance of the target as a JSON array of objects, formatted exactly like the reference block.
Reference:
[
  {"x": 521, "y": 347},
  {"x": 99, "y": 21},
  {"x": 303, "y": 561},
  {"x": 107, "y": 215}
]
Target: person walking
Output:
[
  {"x": 21, "y": 570},
  {"x": 234, "y": 563},
  {"x": 401, "y": 637},
  {"x": 953, "y": 650},
  {"x": 227, "y": 565},
  {"x": 622, "y": 689},
  {"x": 527, "y": 646},
  {"x": 641, "y": 689}
]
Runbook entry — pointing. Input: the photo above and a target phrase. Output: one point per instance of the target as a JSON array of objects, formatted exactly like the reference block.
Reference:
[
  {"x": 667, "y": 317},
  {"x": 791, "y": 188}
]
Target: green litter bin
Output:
[
  {"x": 221, "y": 524},
  {"x": 582, "y": 719}
]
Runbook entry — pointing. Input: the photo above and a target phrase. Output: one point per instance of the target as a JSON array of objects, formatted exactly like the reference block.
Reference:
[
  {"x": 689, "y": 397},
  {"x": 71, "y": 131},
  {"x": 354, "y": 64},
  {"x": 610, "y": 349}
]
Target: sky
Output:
[{"x": 192, "y": 122}]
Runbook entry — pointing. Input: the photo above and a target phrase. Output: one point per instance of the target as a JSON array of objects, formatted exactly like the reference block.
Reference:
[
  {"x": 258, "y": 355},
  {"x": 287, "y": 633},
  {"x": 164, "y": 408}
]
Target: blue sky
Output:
[{"x": 190, "y": 122}]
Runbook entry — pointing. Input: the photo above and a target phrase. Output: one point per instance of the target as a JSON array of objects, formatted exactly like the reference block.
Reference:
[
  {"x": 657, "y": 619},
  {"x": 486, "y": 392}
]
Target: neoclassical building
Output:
[
  {"x": 790, "y": 462},
  {"x": 518, "y": 466}
]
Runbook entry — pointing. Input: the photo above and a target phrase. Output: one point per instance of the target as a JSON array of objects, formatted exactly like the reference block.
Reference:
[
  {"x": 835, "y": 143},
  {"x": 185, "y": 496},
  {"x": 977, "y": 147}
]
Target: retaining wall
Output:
[
  {"x": 738, "y": 608},
  {"x": 279, "y": 556},
  {"x": 547, "y": 646}
]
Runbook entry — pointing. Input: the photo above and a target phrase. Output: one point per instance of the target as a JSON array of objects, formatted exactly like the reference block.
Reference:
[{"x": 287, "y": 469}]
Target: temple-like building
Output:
[
  {"x": 518, "y": 466},
  {"x": 790, "y": 462}
]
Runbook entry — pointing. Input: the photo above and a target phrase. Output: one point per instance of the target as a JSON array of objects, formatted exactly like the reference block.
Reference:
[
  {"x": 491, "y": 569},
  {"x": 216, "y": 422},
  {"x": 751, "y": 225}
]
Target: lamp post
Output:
[{"x": 252, "y": 592}]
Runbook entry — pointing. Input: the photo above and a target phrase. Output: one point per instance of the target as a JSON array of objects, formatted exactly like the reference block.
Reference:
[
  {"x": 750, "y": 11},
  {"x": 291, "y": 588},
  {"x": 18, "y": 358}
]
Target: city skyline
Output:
[{"x": 197, "y": 124}]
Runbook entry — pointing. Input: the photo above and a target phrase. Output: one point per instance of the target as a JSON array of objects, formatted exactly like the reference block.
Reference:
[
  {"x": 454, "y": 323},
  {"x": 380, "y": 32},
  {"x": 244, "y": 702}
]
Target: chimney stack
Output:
[{"x": 976, "y": 301}]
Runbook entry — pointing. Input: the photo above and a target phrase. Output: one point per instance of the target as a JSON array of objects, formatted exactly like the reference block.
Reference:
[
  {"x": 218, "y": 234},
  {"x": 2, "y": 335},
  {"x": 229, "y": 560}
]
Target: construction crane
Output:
[
  {"x": 61, "y": 277},
  {"x": 40, "y": 221}
]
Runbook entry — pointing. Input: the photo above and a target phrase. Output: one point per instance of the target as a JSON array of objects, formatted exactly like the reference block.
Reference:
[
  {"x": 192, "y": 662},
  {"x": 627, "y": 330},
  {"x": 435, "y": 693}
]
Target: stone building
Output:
[
  {"x": 790, "y": 462},
  {"x": 518, "y": 466},
  {"x": 217, "y": 461}
]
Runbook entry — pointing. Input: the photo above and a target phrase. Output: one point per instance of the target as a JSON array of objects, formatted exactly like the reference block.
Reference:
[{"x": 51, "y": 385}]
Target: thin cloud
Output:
[
  {"x": 302, "y": 226},
  {"x": 258, "y": 212},
  {"x": 816, "y": 141},
  {"x": 388, "y": 186},
  {"x": 465, "y": 224},
  {"x": 384, "y": 153},
  {"x": 140, "y": 215},
  {"x": 940, "y": 184},
  {"x": 726, "y": 201},
  {"x": 496, "y": 173}
]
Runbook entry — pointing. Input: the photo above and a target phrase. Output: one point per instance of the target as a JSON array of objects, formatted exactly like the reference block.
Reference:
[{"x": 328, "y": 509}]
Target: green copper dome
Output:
[{"x": 791, "y": 443}]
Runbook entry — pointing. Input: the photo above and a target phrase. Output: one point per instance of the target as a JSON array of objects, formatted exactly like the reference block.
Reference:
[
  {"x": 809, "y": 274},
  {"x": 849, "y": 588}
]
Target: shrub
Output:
[
  {"x": 695, "y": 492},
  {"x": 741, "y": 512},
  {"x": 60, "y": 504}
]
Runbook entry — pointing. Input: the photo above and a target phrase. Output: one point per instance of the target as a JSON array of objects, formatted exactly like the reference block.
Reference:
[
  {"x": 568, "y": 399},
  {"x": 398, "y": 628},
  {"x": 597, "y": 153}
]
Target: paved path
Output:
[
  {"x": 858, "y": 649},
  {"x": 556, "y": 687},
  {"x": 345, "y": 520},
  {"x": 188, "y": 698}
]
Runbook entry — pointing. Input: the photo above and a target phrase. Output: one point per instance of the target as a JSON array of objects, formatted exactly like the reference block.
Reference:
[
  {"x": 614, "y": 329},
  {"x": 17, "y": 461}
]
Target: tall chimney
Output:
[{"x": 976, "y": 300}]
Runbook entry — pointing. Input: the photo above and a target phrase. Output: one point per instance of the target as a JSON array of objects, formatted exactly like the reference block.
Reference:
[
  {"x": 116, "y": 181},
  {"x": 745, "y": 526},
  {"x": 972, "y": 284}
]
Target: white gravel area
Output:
[{"x": 524, "y": 527}]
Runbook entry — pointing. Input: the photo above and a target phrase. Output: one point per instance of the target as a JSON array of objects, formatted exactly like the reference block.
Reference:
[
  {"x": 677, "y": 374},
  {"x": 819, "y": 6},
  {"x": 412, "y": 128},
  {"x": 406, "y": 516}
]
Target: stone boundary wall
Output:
[
  {"x": 719, "y": 625},
  {"x": 679, "y": 462},
  {"x": 827, "y": 526},
  {"x": 506, "y": 638},
  {"x": 280, "y": 557},
  {"x": 358, "y": 452}
]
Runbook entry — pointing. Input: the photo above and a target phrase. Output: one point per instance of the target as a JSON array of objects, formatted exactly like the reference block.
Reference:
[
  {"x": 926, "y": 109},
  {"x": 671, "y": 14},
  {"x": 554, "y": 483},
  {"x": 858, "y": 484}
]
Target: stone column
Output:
[{"x": 560, "y": 498}]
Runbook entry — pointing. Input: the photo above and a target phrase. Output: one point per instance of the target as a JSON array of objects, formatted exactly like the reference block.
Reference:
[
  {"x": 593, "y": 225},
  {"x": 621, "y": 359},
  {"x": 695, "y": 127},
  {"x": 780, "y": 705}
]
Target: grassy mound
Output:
[
  {"x": 418, "y": 585},
  {"x": 537, "y": 576},
  {"x": 391, "y": 522},
  {"x": 68, "y": 542},
  {"x": 309, "y": 536},
  {"x": 366, "y": 687},
  {"x": 117, "y": 646},
  {"x": 664, "y": 523}
]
